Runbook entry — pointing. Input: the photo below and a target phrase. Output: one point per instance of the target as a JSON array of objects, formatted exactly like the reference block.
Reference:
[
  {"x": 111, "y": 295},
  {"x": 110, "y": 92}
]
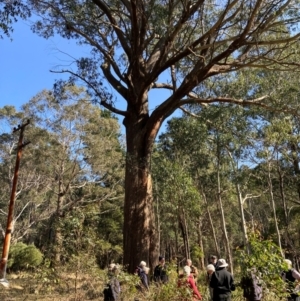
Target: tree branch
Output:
[
  {"x": 118, "y": 31},
  {"x": 113, "y": 81},
  {"x": 102, "y": 102}
]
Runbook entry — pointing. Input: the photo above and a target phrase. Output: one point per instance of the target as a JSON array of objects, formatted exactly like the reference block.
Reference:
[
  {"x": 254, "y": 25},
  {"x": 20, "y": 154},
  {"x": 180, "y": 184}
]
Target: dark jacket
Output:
[
  {"x": 160, "y": 274},
  {"x": 222, "y": 283},
  {"x": 288, "y": 277},
  {"x": 252, "y": 290}
]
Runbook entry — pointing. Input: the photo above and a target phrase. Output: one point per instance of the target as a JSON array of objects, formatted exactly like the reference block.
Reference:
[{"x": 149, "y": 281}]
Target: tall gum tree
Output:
[{"x": 140, "y": 45}]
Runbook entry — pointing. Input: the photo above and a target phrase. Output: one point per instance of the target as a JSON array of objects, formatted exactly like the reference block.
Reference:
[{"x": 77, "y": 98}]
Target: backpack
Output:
[
  {"x": 108, "y": 293},
  {"x": 287, "y": 276},
  {"x": 252, "y": 290}
]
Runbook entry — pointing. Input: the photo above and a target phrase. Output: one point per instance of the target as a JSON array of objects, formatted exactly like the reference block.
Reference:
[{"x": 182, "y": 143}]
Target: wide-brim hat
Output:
[{"x": 222, "y": 263}]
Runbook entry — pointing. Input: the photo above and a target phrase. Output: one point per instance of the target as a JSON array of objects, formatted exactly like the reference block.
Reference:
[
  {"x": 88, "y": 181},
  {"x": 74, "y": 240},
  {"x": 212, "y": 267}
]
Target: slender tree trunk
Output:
[
  {"x": 230, "y": 262},
  {"x": 183, "y": 228},
  {"x": 243, "y": 221},
  {"x": 200, "y": 243},
  {"x": 186, "y": 235},
  {"x": 241, "y": 203},
  {"x": 158, "y": 224},
  {"x": 274, "y": 208},
  {"x": 217, "y": 247},
  {"x": 282, "y": 195},
  {"x": 58, "y": 238},
  {"x": 287, "y": 238},
  {"x": 294, "y": 150},
  {"x": 176, "y": 240}
]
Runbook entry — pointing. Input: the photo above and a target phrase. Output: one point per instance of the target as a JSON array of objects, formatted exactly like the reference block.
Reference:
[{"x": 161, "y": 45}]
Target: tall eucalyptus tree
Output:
[{"x": 141, "y": 45}]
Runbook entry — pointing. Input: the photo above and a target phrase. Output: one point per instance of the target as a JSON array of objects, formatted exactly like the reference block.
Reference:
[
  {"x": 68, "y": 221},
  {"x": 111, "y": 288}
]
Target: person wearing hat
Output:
[
  {"x": 290, "y": 276},
  {"x": 160, "y": 271},
  {"x": 222, "y": 282}
]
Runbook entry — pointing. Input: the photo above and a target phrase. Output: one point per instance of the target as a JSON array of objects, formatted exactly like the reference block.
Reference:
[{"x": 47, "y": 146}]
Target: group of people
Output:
[
  {"x": 160, "y": 273},
  {"x": 219, "y": 280}
]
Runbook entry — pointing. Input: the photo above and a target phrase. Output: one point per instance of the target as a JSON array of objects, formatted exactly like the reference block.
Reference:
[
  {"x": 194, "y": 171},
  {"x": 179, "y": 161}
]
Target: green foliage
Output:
[
  {"x": 196, "y": 254},
  {"x": 69, "y": 174},
  {"x": 265, "y": 259},
  {"x": 105, "y": 252},
  {"x": 24, "y": 256},
  {"x": 10, "y": 11}
]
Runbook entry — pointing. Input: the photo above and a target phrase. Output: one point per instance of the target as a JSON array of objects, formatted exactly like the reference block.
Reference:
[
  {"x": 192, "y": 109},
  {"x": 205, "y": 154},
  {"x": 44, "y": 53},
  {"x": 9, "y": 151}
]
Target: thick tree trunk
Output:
[{"x": 139, "y": 233}]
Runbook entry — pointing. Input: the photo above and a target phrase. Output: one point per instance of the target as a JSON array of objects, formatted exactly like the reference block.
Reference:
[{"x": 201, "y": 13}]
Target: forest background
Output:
[{"x": 223, "y": 178}]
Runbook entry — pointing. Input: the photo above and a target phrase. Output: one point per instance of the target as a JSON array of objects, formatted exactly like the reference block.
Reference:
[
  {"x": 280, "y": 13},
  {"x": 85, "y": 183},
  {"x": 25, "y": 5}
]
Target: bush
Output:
[
  {"x": 24, "y": 256},
  {"x": 264, "y": 258}
]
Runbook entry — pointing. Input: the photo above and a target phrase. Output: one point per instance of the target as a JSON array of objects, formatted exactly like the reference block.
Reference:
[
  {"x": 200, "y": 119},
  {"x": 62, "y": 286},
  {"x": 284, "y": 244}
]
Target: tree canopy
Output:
[{"x": 178, "y": 46}]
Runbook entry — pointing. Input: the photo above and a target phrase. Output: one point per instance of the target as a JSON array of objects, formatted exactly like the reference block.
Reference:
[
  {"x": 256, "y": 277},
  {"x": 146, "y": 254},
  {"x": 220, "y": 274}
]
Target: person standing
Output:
[
  {"x": 186, "y": 279},
  {"x": 210, "y": 270},
  {"x": 194, "y": 270},
  {"x": 160, "y": 271},
  {"x": 213, "y": 259},
  {"x": 142, "y": 271},
  {"x": 252, "y": 291},
  {"x": 112, "y": 290},
  {"x": 290, "y": 276},
  {"x": 222, "y": 282}
]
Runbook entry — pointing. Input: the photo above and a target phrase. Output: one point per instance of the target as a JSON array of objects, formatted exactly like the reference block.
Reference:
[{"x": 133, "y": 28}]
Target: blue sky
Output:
[
  {"x": 25, "y": 63},
  {"x": 26, "y": 60}
]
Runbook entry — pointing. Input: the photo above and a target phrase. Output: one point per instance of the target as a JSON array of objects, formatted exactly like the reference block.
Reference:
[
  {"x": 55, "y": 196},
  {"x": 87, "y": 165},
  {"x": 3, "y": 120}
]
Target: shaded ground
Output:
[{"x": 68, "y": 288}]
